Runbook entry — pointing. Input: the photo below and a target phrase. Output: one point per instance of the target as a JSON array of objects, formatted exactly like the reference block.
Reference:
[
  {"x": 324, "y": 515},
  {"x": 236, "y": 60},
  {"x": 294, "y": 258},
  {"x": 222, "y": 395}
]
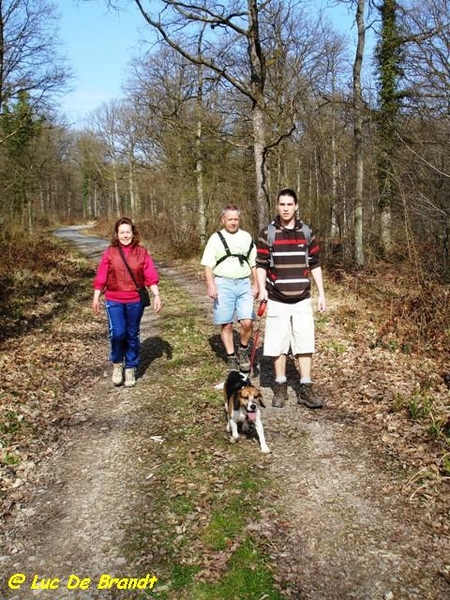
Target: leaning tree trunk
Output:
[{"x": 260, "y": 165}]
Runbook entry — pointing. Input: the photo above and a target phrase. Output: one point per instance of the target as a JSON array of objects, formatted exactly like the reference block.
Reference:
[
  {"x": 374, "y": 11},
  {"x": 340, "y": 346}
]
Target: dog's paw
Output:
[
  {"x": 265, "y": 449},
  {"x": 233, "y": 440}
]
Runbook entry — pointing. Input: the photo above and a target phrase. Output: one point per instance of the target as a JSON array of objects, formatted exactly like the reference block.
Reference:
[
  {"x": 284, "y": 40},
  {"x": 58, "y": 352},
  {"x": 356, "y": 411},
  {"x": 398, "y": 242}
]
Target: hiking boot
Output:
[
  {"x": 232, "y": 363},
  {"x": 307, "y": 396},
  {"x": 117, "y": 375},
  {"x": 244, "y": 359},
  {"x": 130, "y": 378},
  {"x": 280, "y": 394}
]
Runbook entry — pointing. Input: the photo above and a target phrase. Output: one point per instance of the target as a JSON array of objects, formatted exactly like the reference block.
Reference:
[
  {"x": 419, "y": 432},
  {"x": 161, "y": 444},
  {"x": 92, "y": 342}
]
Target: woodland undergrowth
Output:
[{"x": 384, "y": 347}]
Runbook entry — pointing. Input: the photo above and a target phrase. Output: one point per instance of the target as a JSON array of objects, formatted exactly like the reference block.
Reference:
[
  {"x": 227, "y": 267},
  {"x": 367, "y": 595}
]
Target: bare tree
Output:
[
  {"x": 91, "y": 156},
  {"x": 424, "y": 137},
  {"x": 105, "y": 124},
  {"x": 199, "y": 149},
  {"x": 231, "y": 49},
  {"x": 29, "y": 57},
  {"x": 426, "y": 66},
  {"x": 31, "y": 73},
  {"x": 169, "y": 96}
]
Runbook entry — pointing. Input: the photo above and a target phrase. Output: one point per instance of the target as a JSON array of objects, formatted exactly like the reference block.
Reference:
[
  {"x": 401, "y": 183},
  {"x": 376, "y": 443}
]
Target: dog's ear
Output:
[
  {"x": 236, "y": 398},
  {"x": 236, "y": 388},
  {"x": 260, "y": 400}
]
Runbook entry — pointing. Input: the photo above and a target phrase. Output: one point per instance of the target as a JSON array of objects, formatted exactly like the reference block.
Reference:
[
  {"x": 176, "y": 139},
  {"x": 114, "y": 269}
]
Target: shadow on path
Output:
[{"x": 151, "y": 349}]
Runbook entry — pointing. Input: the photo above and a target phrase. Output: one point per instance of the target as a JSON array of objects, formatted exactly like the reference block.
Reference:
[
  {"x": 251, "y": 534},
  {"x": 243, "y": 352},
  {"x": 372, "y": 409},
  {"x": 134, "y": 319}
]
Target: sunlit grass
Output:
[{"x": 205, "y": 496}]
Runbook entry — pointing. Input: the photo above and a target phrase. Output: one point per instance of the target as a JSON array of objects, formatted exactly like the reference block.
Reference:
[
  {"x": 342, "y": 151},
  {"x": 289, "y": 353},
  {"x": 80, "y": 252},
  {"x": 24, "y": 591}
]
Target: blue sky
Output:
[{"x": 99, "y": 44}]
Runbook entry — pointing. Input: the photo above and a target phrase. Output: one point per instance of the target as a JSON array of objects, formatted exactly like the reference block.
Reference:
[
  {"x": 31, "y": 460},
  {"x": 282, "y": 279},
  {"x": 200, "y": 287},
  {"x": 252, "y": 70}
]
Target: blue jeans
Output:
[{"x": 124, "y": 320}]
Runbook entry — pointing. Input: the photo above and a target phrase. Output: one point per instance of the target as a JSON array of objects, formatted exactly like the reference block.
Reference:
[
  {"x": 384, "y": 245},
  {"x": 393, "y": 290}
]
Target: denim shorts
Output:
[
  {"x": 235, "y": 297},
  {"x": 289, "y": 325}
]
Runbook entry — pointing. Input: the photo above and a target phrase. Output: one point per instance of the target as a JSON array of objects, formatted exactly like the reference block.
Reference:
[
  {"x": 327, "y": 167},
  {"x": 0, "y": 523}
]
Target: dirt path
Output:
[
  {"x": 345, "y": 529},
  {"x": 87, "y": 488}
]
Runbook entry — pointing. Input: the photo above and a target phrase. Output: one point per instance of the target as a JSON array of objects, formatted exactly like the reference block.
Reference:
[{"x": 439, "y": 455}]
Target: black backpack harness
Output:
[{"x": 241, "y": 257}]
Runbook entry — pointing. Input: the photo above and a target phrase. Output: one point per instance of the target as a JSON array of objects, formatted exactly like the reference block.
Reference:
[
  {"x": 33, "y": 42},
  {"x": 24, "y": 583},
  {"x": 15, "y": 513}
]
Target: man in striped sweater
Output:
[{"x": 285, "y": 260}]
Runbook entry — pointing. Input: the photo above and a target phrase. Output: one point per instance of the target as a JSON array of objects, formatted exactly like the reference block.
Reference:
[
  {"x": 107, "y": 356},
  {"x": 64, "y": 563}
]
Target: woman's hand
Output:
[
  {"x": 96, "y": 302},
  {"x": 157, "y": 303}
]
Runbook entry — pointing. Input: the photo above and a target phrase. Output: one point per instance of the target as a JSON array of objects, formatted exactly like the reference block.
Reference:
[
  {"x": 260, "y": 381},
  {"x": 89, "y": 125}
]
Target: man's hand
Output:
[
  {"x": 262, "y": 296},
  {"x": 212, "y": 291},
  {"x": 321, "y": 304}
]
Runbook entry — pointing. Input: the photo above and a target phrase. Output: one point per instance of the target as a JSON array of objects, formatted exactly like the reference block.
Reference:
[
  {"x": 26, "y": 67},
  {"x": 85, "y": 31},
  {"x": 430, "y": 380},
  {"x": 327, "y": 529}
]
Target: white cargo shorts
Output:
[{"x": 289, "y": 325}]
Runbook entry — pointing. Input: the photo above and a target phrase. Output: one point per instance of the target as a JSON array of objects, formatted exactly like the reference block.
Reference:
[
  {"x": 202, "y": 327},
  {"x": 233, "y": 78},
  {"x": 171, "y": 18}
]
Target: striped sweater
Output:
[{"x": 288, "y": 281}]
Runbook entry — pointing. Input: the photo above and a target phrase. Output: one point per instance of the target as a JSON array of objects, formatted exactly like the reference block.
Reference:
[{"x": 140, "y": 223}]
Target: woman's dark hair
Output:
[
  {"x": 125, "y": 221},
  {"x": 288, "y": 192}
]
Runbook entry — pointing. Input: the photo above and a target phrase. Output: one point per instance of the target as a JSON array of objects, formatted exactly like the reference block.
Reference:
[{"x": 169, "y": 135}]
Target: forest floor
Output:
[{"x": 97, "y": 481}]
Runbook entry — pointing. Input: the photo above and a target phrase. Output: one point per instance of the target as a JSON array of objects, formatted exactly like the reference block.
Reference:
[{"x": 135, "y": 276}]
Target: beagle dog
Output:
[{"x": 242, "y": 405}]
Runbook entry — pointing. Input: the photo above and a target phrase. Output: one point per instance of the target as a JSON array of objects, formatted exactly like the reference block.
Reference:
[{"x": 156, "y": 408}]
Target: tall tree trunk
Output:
[
  {"x": 2, "y": 57},
  {"x": 386, "y": 215},
  {"x": 389, "y": 51},
  {"x": 131, "y": 188},
  {"x": 258, "y": 79},
  {"x": 95, "y": 207},
  {"x": 358, "y": 134},
  {"x": 334, "y": 226},
  {"x": 29, "y": 209},
  {"x": 117, "y": 207},
  {"x": 199, "y": 155}
]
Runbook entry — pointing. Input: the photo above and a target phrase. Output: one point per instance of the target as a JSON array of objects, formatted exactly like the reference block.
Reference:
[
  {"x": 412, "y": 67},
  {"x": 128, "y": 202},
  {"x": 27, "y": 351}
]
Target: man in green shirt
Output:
[{"x": 230, "y": 271}]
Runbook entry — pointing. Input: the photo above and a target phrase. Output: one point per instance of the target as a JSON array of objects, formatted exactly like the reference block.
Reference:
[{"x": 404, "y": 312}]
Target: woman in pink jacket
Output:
[{"x": 122, "y": 301}]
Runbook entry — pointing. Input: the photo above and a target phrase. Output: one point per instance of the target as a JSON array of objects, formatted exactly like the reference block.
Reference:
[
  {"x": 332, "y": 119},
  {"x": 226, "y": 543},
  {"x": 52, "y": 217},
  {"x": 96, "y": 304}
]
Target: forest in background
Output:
[{"x": 232, "y": 102}]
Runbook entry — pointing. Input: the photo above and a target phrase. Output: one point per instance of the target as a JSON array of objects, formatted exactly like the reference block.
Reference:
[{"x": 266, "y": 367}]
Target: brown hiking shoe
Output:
[
  {"x": 280, "y": 394},
  {"x": 244, "y": 359},
  {"x": 308, "y": 397},
  {"x": 232, "y": 363}
]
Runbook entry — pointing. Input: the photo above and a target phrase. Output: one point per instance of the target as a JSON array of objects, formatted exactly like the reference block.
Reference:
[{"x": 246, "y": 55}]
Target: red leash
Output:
[{"x": 261, "y": 311}]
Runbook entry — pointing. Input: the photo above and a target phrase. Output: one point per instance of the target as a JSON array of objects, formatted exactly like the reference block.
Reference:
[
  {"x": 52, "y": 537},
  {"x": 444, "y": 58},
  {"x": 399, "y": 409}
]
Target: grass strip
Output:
[{"x": 203, "y": 535}]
